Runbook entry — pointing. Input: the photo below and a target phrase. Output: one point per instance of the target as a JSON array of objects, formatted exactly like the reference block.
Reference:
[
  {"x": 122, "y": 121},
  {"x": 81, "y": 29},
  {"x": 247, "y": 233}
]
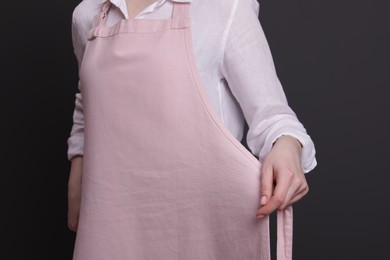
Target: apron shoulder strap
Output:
[
  {"x": 180, "y": 15},
  {"x": 98, "y": 20}
]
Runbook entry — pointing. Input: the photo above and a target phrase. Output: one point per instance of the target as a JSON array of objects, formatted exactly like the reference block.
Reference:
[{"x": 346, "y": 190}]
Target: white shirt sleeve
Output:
[
  {"x": 248, "y": 67},
  {"x": 76, "y": 139}
]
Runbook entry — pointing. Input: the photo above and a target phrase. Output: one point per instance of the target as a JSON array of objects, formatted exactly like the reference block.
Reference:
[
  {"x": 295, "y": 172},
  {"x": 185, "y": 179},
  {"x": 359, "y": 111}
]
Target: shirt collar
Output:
[
  {"x": 118, "y": 2},
  {"x": 121, "y": 4}
]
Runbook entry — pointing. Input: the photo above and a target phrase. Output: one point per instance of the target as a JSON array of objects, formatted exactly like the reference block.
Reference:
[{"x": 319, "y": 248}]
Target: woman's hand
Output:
[
  {"x": 74, "y": 192},
  {"x": 282, "y": 167}
]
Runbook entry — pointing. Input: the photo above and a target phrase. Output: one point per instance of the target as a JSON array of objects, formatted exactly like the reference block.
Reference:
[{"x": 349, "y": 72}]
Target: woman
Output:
[{"x": 158, "y": 171}]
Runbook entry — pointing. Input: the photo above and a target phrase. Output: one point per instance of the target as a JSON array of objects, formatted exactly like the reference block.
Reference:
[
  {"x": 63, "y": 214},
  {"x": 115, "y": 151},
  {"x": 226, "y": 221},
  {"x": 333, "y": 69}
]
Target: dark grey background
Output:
[{"x": 333, "y": 60}]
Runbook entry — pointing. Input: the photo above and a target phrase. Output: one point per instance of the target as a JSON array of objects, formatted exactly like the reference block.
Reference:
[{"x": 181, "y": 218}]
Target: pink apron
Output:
[{"x": 163, "y": 178}]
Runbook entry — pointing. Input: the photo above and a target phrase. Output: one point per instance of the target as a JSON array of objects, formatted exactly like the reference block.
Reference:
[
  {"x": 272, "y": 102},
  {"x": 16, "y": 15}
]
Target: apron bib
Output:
[{"x": 163, "y": 178}]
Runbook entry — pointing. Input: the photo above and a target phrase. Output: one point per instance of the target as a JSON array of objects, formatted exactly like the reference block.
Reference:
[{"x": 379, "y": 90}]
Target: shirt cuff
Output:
[{"x": 75, "y": 146}]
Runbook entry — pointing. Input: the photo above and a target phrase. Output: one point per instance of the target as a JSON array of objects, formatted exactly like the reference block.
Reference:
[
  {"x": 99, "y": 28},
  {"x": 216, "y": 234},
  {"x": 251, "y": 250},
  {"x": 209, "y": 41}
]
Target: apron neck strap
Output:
[
  {"x": 106, "y": 6},
  {"x": 180, "y": 9},
  {"x": 180, "y": 15},
  {"x": 100, "y": 19}
]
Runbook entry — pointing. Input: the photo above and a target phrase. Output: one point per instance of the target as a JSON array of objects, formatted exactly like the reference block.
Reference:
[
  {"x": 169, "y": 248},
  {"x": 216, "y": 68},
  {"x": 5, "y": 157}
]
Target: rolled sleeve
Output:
[
  {"x": 248, "y": 67},
  {"x": 75, "y": 141}
]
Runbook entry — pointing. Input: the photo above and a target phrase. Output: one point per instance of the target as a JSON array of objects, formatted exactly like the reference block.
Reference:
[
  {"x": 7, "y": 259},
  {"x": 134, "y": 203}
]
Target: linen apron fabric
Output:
[{"x": 163, "y": 178}]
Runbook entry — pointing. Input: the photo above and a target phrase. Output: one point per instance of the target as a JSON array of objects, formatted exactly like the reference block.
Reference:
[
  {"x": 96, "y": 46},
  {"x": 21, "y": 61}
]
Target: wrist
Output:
[{"x": 290, "y": 141}]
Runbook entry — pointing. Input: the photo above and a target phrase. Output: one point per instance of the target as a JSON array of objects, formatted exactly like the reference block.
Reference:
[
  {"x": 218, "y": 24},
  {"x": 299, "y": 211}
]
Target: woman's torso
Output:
[{"x": 210, "y": 25}]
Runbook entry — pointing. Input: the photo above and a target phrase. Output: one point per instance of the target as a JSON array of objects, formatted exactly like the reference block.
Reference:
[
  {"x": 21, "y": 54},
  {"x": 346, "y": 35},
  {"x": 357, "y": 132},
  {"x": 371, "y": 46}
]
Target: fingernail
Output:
[
  {"x": 259, "y": 216},
  {"x": 263, "y": 200}
]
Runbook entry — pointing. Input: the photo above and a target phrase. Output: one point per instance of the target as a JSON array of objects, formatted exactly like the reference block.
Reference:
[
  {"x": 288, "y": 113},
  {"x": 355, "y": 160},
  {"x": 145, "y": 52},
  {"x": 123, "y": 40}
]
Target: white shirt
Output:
[{"x": 235, "y": 64}]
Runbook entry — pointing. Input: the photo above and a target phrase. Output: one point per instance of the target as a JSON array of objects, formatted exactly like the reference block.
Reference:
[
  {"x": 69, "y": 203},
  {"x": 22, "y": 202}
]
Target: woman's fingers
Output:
[
  {"x": 73, "y": 209},
  {"x": 295, "y": 188},
  {"x": 290, "y": 187},
  {"x": 73, "y": 216},
  {"x": 278, "y": 197},
  {"x": 284, "y": 169},
  {"x": 267, "y": 185},
  {"x": 298, "y": 195},
  {"x": 74, "y": 192}
]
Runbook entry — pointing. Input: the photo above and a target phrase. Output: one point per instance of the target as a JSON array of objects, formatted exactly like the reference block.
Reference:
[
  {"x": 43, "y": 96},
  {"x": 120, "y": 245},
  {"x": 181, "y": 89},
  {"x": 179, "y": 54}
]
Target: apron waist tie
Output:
[{"x": 284, "y": 234}]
